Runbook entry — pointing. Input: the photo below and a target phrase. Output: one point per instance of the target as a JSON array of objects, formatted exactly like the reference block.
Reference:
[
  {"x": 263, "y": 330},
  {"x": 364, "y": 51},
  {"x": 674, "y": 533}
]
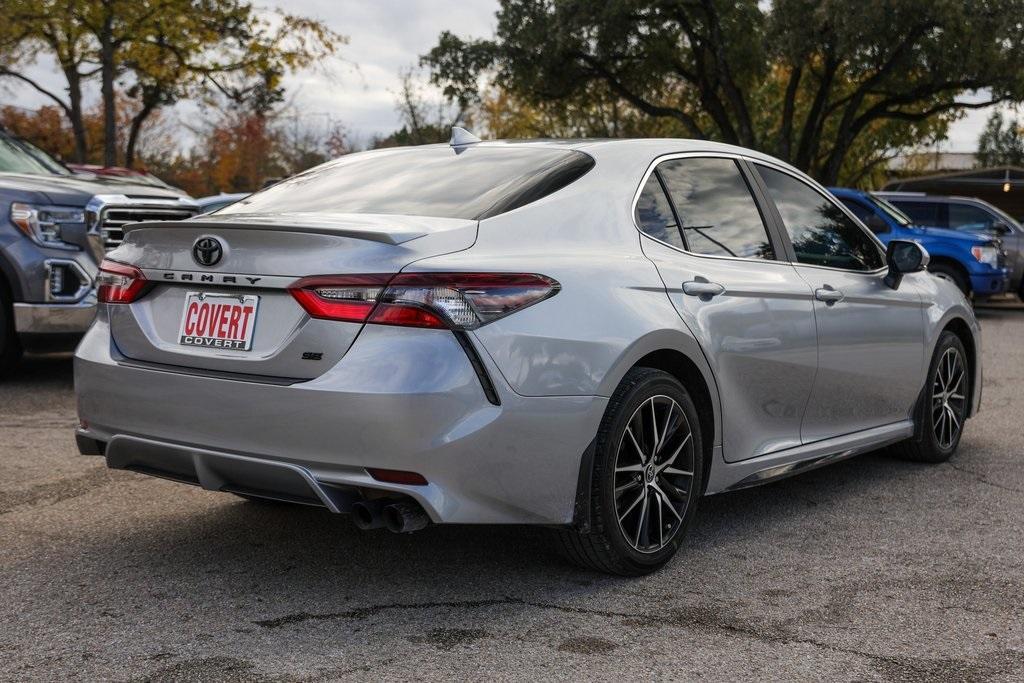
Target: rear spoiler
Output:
[{"x": 384, "y": 228}]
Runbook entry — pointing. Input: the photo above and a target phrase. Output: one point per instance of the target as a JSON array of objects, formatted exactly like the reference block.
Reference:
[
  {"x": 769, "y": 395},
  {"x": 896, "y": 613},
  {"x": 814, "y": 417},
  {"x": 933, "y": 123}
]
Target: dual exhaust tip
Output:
[{"x": 401, "y": 517}]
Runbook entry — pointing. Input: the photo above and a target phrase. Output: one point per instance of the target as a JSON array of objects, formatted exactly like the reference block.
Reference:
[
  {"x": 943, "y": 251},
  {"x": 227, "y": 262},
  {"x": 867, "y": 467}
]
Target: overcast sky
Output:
[{"x": 387, "y": 36}]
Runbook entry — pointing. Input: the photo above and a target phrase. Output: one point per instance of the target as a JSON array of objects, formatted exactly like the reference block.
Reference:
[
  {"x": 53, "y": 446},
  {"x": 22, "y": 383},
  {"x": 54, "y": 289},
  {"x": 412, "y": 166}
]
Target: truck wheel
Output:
[
  {"x": 10, "y": 347},
  {"x": 944, "y": 271},
  {"x": 646, "y": 480}
]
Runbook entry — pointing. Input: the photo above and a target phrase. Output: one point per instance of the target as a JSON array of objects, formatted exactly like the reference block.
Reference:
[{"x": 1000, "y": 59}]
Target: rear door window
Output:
[
  {"x": 969, "y": 217},
  {"x": 928, "y": 214},
  {"x": 715, "y": 210},
  {"x": 821, "y": 232}
]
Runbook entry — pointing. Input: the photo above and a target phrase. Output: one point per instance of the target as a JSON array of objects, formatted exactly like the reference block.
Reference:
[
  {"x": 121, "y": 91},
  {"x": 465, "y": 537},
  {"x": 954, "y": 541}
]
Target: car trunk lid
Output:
[{"x": 261, "y": 256}]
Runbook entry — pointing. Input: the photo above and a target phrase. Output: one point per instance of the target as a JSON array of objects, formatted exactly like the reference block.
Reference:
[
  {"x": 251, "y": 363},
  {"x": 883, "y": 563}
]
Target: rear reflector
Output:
[
  {"x": 397, "y": 476},
  {"x": 459, "y": 301},
  {"x": 119, "y": 283}
]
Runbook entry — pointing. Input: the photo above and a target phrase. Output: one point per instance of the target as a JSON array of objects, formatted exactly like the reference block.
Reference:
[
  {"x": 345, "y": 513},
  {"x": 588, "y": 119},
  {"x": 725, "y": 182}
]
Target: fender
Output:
[{"x": 9, "y": 276}]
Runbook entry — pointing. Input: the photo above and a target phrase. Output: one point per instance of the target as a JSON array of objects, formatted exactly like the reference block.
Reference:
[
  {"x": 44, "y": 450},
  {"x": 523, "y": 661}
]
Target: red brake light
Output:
[
  {"x": 460, "y": 301},
  {"x": 348, "y": 298},
  {"x": 119, "y": 283}
]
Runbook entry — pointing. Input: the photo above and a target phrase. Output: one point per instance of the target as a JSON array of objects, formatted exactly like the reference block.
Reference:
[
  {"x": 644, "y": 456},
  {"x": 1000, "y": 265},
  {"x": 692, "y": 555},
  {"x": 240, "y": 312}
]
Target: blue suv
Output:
[{"x": 976, "y": 263}]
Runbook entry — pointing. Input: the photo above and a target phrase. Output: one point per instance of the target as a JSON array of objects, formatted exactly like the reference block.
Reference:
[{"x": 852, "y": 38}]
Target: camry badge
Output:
[{"x": 207, "y": 251}]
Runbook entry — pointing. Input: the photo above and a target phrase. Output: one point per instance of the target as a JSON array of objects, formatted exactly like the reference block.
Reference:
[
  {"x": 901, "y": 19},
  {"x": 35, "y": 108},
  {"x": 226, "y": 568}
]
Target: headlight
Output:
[
  {"x": 988, "y": 255},
  {"x": 43, "y": 223}
]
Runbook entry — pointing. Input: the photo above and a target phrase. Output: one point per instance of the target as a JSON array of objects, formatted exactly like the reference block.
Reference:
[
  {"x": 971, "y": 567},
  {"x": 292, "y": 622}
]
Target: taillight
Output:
[
  {"x": 119, "y": 283},
  {"x": 460, "y": 301},
  {"x": 349, "y": 298}
]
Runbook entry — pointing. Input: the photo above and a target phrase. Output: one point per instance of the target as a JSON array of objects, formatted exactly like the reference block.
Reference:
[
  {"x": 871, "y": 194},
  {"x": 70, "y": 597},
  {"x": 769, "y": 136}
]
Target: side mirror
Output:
[
  {"x": 902, "y": 257},
  {"x": 1001, "y": 228},
  {"x": 876, "y": 224}
]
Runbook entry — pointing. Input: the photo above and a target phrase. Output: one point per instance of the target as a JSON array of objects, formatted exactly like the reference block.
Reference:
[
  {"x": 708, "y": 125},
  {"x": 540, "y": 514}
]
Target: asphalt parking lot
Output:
[{"x": 872, "y": 569}]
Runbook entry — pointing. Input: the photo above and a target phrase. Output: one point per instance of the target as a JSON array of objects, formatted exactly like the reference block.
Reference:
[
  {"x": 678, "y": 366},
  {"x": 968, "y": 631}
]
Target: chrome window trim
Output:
[
  {"x": 703, "y": 155},
  {"x": 820, "y": 189}
]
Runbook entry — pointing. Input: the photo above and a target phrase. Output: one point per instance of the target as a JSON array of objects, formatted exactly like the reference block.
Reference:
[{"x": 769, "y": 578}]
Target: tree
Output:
[
  {"x": 422, "y": 123},
  {"x": 166, "y": 49},
  {"x": 810, "y": 81},
  {"x": 1002, "y": 142},
  {"x": 31, "y": 26}
]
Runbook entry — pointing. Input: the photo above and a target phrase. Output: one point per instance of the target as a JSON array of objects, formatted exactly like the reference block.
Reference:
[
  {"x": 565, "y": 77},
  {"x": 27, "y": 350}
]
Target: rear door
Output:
[
  {"x": 745, "y": 304},
  {"x": 871, "y": 338}
]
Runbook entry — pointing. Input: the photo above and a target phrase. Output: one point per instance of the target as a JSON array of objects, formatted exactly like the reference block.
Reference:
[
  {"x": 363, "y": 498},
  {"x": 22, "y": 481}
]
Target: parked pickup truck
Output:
[
  {"x": 976, "y": 263},
  {"x": 55, "y": 227},
  {"x": 967, "y": 214}
]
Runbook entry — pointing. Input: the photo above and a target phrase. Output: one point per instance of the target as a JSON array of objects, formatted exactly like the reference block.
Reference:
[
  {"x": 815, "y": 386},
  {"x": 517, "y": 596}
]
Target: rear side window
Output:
[
  {"x": 922, "y": 213},
  {"x": 969, "y": 217},
  {"x": 654, "y": 214},
  {"x": 714, "y": 209},
  {"x": 821, "y": 233},
  {"x": 478, "y": 182}
]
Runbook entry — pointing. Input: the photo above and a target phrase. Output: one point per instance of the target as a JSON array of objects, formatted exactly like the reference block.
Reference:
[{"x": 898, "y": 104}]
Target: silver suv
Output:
[
  {"x": 968, "y": 214},
  {"x": 55, "y": 227},
  {"x": 588, "y": 335}
]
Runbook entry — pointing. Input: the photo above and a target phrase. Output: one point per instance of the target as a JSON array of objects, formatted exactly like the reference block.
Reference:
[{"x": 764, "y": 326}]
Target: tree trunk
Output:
[
  {"x": 107, "y": 91},
  {"x": 74, "y": 112},
  {"x": 133, "y": 132}
]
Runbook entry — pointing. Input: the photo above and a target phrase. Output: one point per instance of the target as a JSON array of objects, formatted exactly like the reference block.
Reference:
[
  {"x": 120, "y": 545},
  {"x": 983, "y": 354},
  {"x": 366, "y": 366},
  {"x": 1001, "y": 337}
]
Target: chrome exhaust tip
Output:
[
  {"x": 366, "y": 514},
  {"x": 405, "y": 517}
]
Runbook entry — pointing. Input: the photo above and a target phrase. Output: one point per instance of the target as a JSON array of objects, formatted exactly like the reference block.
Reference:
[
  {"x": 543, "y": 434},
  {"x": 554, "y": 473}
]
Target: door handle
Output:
[
  {"x": 828, "y": 295},
  {"x": 703, "y": 289}
]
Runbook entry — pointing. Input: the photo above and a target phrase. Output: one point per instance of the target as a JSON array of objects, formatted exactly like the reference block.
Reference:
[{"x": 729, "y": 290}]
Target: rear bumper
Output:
[{"x": 399, "y": 399}]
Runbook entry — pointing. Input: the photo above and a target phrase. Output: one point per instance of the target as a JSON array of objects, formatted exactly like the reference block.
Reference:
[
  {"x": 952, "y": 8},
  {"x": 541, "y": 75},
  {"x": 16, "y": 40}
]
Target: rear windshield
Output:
[{"x": 476, "y": 183}]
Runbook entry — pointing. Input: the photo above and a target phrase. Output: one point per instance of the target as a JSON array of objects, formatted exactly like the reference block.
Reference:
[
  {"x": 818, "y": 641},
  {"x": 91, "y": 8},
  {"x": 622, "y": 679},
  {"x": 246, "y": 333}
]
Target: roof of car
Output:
[
  {"x": 641, "y": 147},
  {"x": 937, "y": 198}
]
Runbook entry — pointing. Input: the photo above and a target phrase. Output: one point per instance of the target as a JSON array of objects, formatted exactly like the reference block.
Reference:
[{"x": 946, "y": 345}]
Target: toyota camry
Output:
[{"x": 585, "y": 335}]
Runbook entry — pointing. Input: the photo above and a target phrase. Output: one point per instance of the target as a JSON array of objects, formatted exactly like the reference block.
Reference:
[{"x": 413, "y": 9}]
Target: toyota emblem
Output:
[{"x": 207, "y": 251}]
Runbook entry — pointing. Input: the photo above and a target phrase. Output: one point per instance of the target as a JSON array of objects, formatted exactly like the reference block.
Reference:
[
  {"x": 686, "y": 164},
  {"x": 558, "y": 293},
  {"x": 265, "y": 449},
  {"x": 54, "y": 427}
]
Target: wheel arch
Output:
[
  {"x": 679, "y": 355},
  {"x": 962, "y": 330},
  {"x": 8, "y": 279},
  {"x": 952, "y": 263},
  {"x": 680, "y": 366}
]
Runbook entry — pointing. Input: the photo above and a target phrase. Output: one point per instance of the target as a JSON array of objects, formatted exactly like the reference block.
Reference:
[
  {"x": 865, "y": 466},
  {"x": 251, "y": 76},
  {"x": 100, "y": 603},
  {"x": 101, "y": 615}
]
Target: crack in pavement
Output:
[
  {"x": 982, "y": 479},
  {"x": 55, "y": 491},
  {"x": 691, "y": 618},
  {"x": 364, "y": 612}
]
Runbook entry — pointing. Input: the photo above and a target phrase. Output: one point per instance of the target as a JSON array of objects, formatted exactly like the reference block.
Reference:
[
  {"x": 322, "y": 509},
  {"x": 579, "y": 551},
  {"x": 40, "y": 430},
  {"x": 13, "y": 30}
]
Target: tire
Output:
[
  {"x": 935, "y": 439},
  {"x": 674, "y": 478},
  {"x": 10, "y": 346},
  {"x": 949, "y": 272}
]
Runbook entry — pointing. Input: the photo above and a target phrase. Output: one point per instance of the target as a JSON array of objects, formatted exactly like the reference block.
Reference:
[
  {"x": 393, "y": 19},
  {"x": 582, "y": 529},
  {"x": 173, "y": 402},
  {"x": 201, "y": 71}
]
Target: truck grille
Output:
[
  {"x": 114, "y": 218},
  {"x": 108, "y": 215}
]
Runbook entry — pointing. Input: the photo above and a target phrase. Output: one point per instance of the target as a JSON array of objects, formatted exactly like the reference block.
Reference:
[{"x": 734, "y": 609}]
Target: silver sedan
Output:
[{"x": 587, "y": 335}]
